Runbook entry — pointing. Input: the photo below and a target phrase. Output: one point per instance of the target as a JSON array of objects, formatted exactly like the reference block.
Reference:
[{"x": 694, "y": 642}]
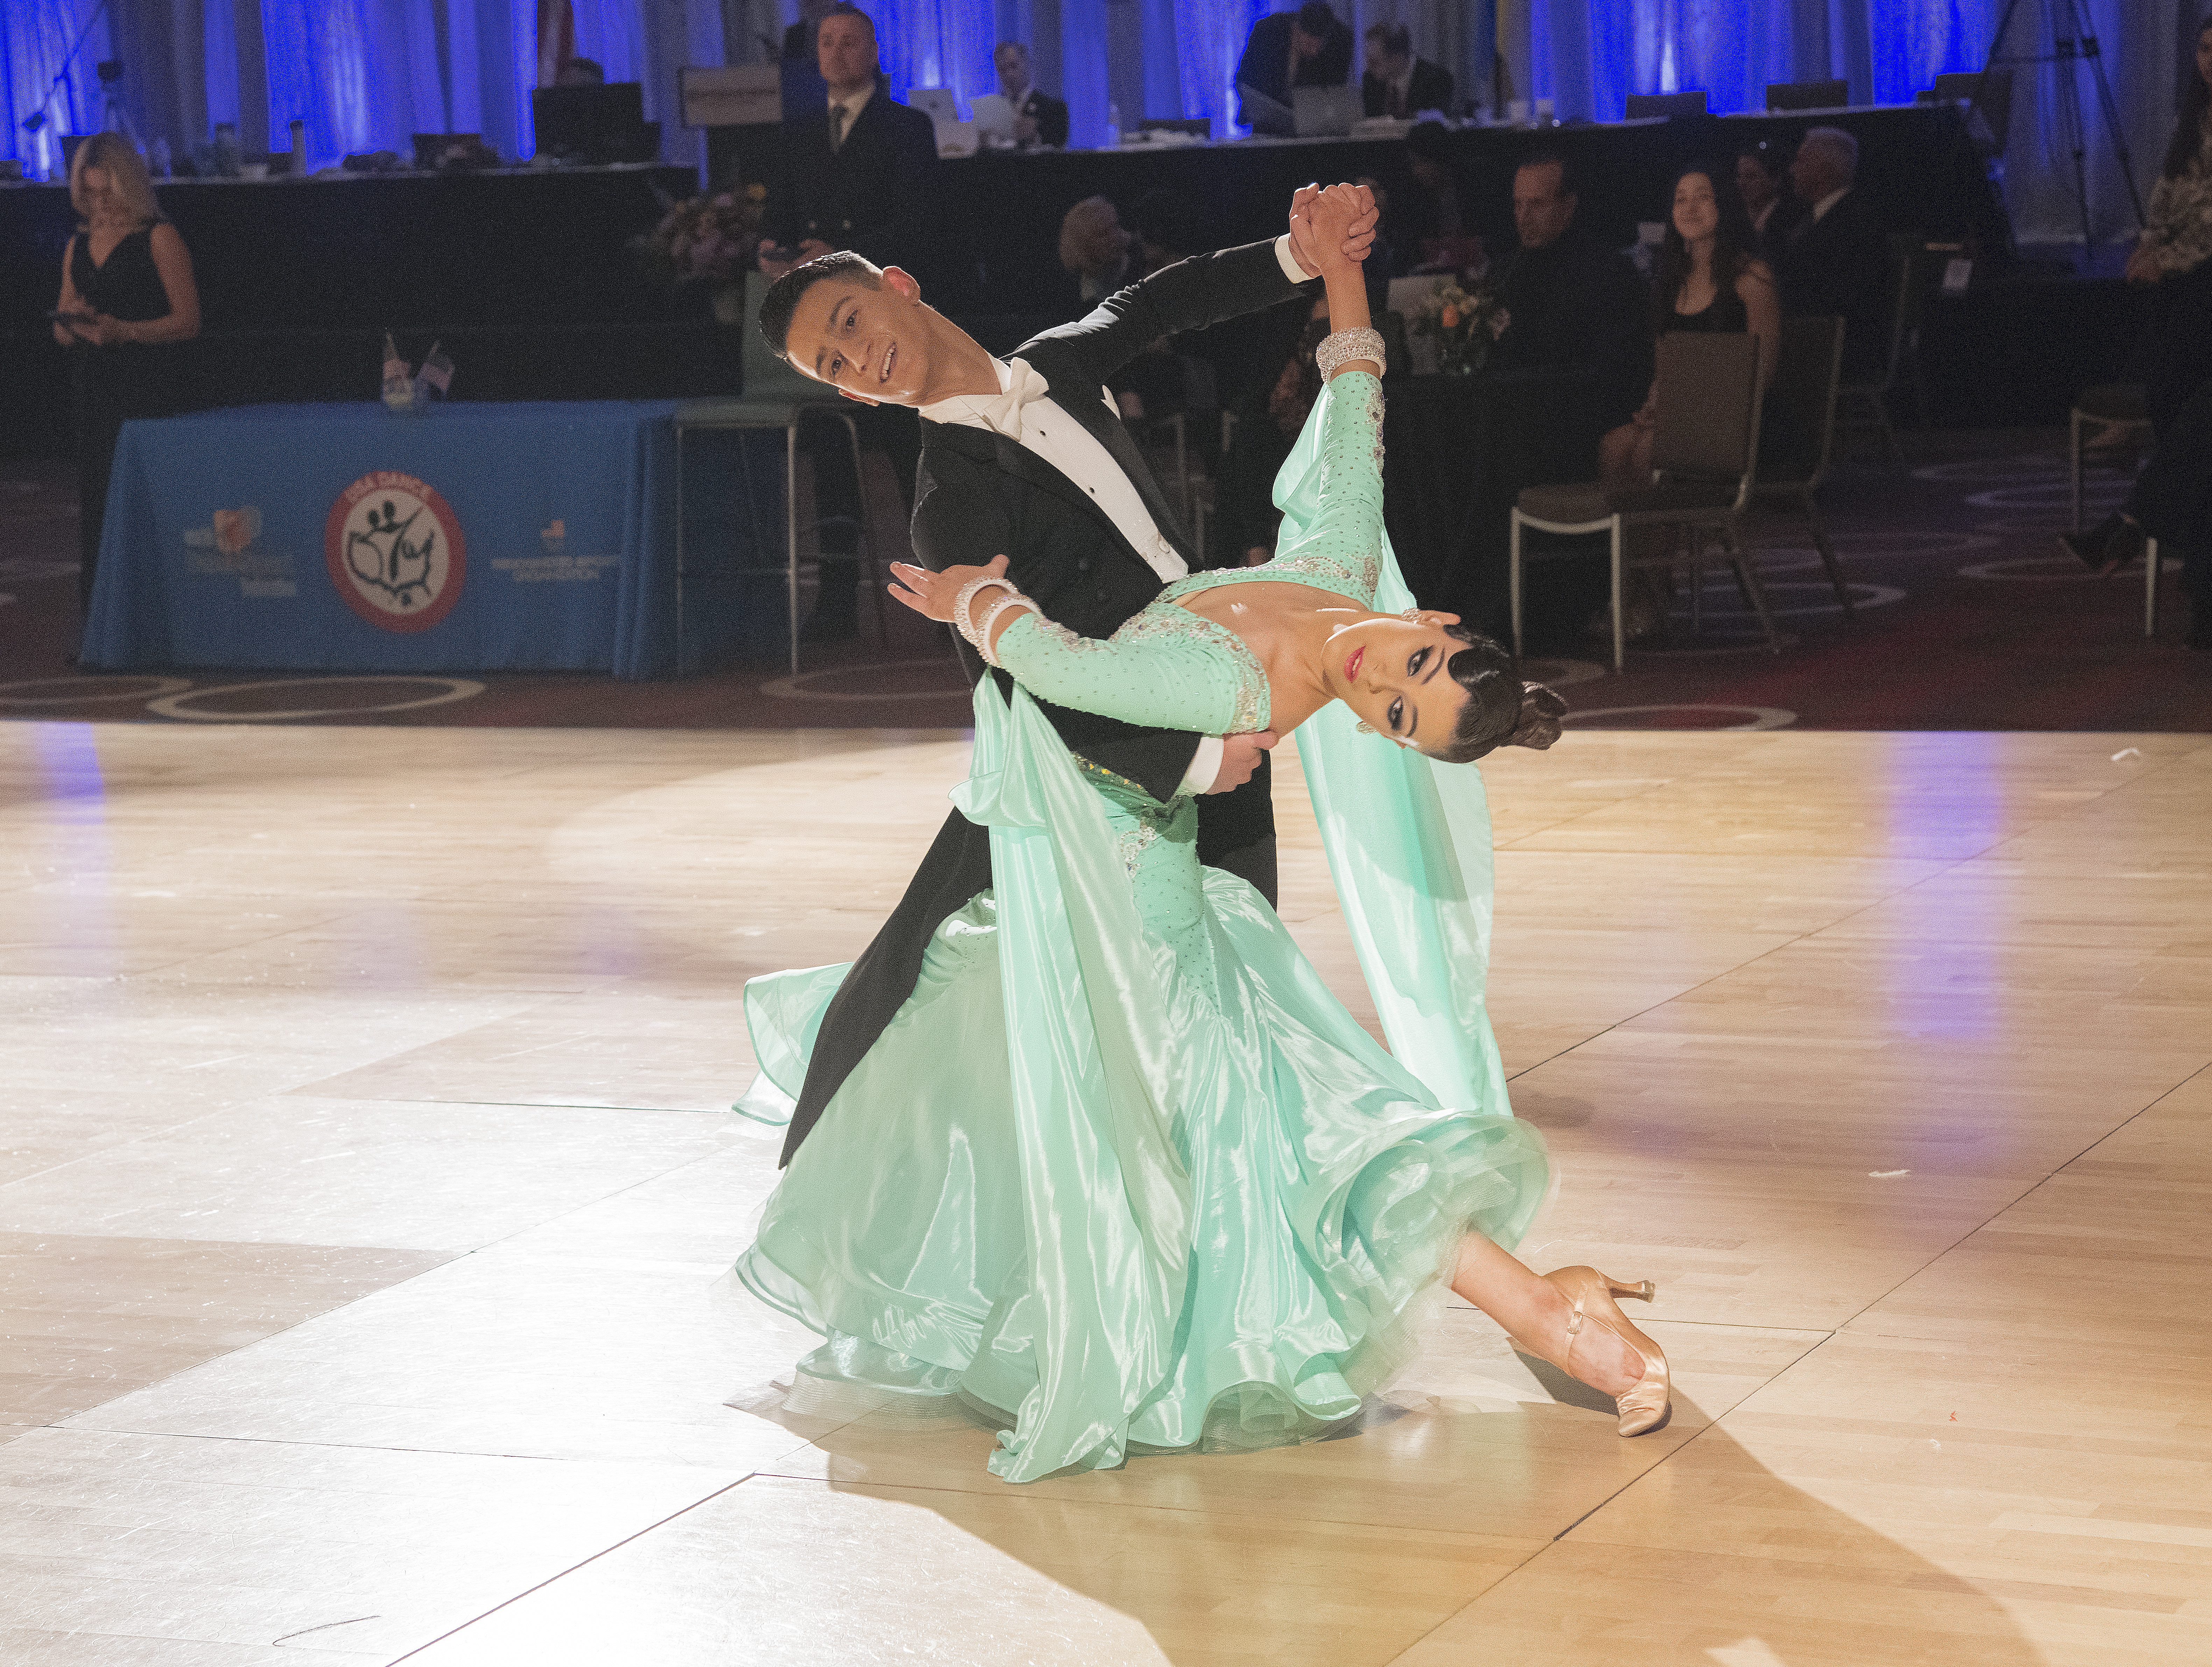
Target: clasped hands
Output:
[
  {"x": 96, "y": 328},
  {"x": 935, "y": 594},
  {"x": 1331, "y": 229}
]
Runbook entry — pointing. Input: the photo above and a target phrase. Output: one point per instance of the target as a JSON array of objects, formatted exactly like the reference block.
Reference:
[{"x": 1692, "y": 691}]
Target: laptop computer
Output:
[{"x": 1324, "y": 112}]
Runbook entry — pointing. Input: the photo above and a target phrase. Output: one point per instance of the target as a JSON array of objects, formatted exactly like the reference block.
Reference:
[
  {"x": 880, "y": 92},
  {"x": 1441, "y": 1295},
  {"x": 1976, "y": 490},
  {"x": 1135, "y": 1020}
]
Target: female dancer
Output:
[{"x": 1122, "y": 1173}]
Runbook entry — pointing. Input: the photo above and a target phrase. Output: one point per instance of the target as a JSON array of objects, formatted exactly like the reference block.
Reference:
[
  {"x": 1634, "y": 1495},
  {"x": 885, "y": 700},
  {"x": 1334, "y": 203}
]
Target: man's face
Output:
[
  {"x": 1383, "y": 61},
  {"x": 847, "y": 48},
  {"x": 1013, "y": 66},
  {"x": 1543, "y": 207},
  {"x": 1304, "y": 46},
  {"x": 1813, "y": 173},
  {"x": 871, "y": 343},
  {"x": 1754, "y": 184}
]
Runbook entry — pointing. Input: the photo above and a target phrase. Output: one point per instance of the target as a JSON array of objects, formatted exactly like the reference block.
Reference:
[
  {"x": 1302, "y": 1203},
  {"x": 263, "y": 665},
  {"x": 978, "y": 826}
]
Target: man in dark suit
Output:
[
  {"x": 1571, "y": 304},
  {"x": 1039, "y": 118},
  {"x": 1305, "y": 48},
  {"x": 1835, "y": 260},
  {"x": 1025, "y": 457},
  {"x": 1397, "y": 83},
  {"x": 859, "y": 173}
]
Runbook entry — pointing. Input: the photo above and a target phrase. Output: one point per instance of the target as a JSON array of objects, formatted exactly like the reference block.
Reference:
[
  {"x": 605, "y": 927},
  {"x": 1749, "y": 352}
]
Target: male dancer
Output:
[{"x": 1026, "y": 457}]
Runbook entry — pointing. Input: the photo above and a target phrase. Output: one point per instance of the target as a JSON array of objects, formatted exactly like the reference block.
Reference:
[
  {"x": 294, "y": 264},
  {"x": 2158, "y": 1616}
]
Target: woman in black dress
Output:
[
  {"x": 128, "y": 303},
  {"x": 1709, "y": 278}
]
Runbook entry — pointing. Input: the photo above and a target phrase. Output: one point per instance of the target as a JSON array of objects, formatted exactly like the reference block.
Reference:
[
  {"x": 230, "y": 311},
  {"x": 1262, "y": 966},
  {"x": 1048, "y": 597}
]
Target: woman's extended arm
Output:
[{"x": 1199, "y": 677}]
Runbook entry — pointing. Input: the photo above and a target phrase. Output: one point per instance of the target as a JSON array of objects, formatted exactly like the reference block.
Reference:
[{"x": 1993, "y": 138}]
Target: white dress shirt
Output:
[
  {"x": 852, "y": 104},
  {"x": 1024, "y": 411},
  {"x": 1828, "y": 202}
]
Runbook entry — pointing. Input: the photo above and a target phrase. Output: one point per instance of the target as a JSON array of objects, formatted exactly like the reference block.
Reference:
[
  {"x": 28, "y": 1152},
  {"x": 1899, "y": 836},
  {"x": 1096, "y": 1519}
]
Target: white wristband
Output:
[
  {"x": 1346, "y": 345},
  {"x": 983, "y": 639}
]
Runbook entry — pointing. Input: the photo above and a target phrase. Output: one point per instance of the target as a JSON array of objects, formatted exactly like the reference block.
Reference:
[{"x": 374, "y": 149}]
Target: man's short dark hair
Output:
[
  {"x": 1316, "y": 18},
  {"x": 1551, "y": 159},
  {"x": 783, "y": 295},
  {"x": 845, "y": 8},
  {"x": 1394, "y": 39},
  {"x": 1430, "y": 140}
]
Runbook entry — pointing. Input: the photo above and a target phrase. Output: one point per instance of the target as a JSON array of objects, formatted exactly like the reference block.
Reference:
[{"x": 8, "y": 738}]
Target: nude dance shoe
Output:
[{"x": 1646, "y": 1407}]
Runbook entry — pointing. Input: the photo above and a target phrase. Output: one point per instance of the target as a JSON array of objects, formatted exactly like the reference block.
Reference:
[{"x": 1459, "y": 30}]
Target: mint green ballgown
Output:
[{"x": 1122, "y": 1172}]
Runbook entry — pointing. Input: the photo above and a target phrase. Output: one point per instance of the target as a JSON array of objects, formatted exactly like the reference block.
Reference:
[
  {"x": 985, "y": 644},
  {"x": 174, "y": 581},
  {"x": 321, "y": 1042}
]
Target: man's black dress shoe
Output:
[{"x": 2114, "y": 540}]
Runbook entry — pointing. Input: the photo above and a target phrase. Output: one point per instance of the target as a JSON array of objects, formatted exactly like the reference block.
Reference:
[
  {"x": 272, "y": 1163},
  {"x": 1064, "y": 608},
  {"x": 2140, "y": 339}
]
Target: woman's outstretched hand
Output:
[{"x": 932, "y": 594}]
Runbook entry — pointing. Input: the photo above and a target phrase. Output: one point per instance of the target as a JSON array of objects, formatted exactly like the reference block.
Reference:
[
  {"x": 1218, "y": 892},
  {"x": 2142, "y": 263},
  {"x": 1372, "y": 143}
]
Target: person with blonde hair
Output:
[
  {"x": 127, "y": 303},
  {"x": 1094, "y": 244}
]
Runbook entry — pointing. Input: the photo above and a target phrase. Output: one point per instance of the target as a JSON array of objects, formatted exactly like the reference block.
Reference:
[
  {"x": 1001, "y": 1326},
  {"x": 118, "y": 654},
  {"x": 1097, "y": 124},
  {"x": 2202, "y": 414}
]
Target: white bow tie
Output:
[{"x": 1004, "y": 411}]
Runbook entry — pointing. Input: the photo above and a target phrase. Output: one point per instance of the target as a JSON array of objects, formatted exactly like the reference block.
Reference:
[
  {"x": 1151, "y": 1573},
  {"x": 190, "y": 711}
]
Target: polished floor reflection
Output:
[{"x": 366, "y": 1191}]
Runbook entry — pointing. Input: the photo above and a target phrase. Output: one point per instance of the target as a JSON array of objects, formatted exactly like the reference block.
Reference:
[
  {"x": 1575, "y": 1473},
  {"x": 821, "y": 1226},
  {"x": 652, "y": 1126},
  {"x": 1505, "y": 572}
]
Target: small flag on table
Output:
[{"x": 437, "y": 373}]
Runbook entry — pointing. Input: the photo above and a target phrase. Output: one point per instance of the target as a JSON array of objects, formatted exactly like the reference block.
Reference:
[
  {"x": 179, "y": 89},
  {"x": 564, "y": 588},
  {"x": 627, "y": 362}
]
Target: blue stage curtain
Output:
[
  {"x": 937, "y": 43},
  {"x": 33, "y": 46}
]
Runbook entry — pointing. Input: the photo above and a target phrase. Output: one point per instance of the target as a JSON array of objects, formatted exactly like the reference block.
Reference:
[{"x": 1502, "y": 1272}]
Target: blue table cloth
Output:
[{"x": 523, "y": 537}]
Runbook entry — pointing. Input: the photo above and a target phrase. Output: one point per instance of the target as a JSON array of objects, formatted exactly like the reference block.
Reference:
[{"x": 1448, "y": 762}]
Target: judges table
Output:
[{"x": 523, "y": 537}]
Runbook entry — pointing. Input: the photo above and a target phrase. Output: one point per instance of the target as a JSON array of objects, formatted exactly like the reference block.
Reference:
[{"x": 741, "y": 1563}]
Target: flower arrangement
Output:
[
  {"x": 1464, "y": 326},
  {"x": 708, "y": 239}
]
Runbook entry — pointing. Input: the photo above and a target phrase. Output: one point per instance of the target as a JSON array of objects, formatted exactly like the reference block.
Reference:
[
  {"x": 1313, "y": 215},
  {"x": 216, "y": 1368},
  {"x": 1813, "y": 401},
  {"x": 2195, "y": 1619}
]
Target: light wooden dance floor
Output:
[{"x": 368, "y": 1186}]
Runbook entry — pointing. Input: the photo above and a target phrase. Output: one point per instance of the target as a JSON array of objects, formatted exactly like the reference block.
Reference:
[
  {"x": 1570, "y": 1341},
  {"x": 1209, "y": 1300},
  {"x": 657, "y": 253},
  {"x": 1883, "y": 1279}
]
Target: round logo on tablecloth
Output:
[{"x": 395, "y": 551}]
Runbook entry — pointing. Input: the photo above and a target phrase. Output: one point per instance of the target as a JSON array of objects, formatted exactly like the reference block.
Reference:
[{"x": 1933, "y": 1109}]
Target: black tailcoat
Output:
[{"x": 978, "y": 495}]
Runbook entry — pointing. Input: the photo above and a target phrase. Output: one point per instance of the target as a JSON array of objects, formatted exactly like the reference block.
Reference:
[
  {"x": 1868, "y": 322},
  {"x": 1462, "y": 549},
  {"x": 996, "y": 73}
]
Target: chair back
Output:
[
  {"x": 1707, "y": 425},
  {"x": 1908, "y": 298},
  {"x": 1804, "y": 392},
  {"x": 768, "y": 377},
  {"x": 1807, "y": 94},
  {"x": 1643, "y": 106},
  {"x": 1989, "y": 92}
]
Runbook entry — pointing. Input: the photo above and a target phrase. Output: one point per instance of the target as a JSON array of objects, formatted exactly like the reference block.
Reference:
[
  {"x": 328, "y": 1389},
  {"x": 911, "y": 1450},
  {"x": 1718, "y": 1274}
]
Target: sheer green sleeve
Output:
[
  {"x": 1330, "y": 490},
  {"x": 1168, "y": 668}
]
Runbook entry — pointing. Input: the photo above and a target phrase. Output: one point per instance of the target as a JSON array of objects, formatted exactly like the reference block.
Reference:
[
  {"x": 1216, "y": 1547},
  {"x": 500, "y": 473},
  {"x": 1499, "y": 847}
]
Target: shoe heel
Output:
[{"x": 1642, "y": 1290}]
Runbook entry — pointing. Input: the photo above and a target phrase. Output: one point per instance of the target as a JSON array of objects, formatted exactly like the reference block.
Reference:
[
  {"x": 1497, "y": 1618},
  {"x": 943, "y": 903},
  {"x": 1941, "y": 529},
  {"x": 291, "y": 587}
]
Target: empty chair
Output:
[
  {"x": 2123, "y": 406},
  {"x": 1804, "y": 398},
  {"x": 1704, "y": 456},
  {"x": 1865, "y": 405},
  {"x": 1643, "y": 106},
  {"x": 1807, "y": 94}
]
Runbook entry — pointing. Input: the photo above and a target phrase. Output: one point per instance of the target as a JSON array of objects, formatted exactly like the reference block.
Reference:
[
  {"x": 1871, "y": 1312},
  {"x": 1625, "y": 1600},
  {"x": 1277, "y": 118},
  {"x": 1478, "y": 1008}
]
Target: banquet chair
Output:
[
  {"x": 775, "y": 397},
  {"x": 2122, "y": 406},
  {"x": 1806, "y": 378},
  {"x": 1864, "y": 406},
  {"x": 1705, "y": 457},
  {"x": 1643, "y": 106},
  {"x": 1807, "y": 94}
]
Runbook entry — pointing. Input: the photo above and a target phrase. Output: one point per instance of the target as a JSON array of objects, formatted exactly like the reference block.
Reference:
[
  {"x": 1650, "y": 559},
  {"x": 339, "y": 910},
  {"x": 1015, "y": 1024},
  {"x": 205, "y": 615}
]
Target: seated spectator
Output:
[
  {"x": 2171, "y": 501},
  {"x": 1429, "y": 223},
  {"x": 1305, "y": 48},
  {"x": 1094, "y": 244},
  {"x": 1268, "y": 421},
  {"x": 1709, "y": 280},
  {"x": 1397, "y": 83},
  {"x": 1571, "y": 302},
  {"x": 1039, "y": 118},
  {"x": 1835, "y": 261},
  {"x": 1762, "y": 182},
  {"x": 2173, "y": 257},
  {"x": 1166, "y": 225}
]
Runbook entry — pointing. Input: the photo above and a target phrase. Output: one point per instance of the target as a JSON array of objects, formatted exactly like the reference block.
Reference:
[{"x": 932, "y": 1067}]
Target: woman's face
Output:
[
  {"x": 99, "y": 188},
  {"x": 2204, "y": 57},
  {"x": 1391, "y": 671},
  {"x": 1696, "y": 212},
  {"x": 1754, "y": 184}
]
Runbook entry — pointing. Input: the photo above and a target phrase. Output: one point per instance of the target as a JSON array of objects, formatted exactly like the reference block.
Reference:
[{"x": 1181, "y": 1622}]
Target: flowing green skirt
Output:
[{"x": 946, "y": 1241}]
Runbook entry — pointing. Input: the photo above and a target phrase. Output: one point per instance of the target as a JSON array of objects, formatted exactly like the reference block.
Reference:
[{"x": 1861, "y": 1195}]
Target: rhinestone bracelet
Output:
[
  {"x": 1346, "y": 345},
  {"x": 1012, "y": 599},
  {"x": 967, "y": 595}
]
